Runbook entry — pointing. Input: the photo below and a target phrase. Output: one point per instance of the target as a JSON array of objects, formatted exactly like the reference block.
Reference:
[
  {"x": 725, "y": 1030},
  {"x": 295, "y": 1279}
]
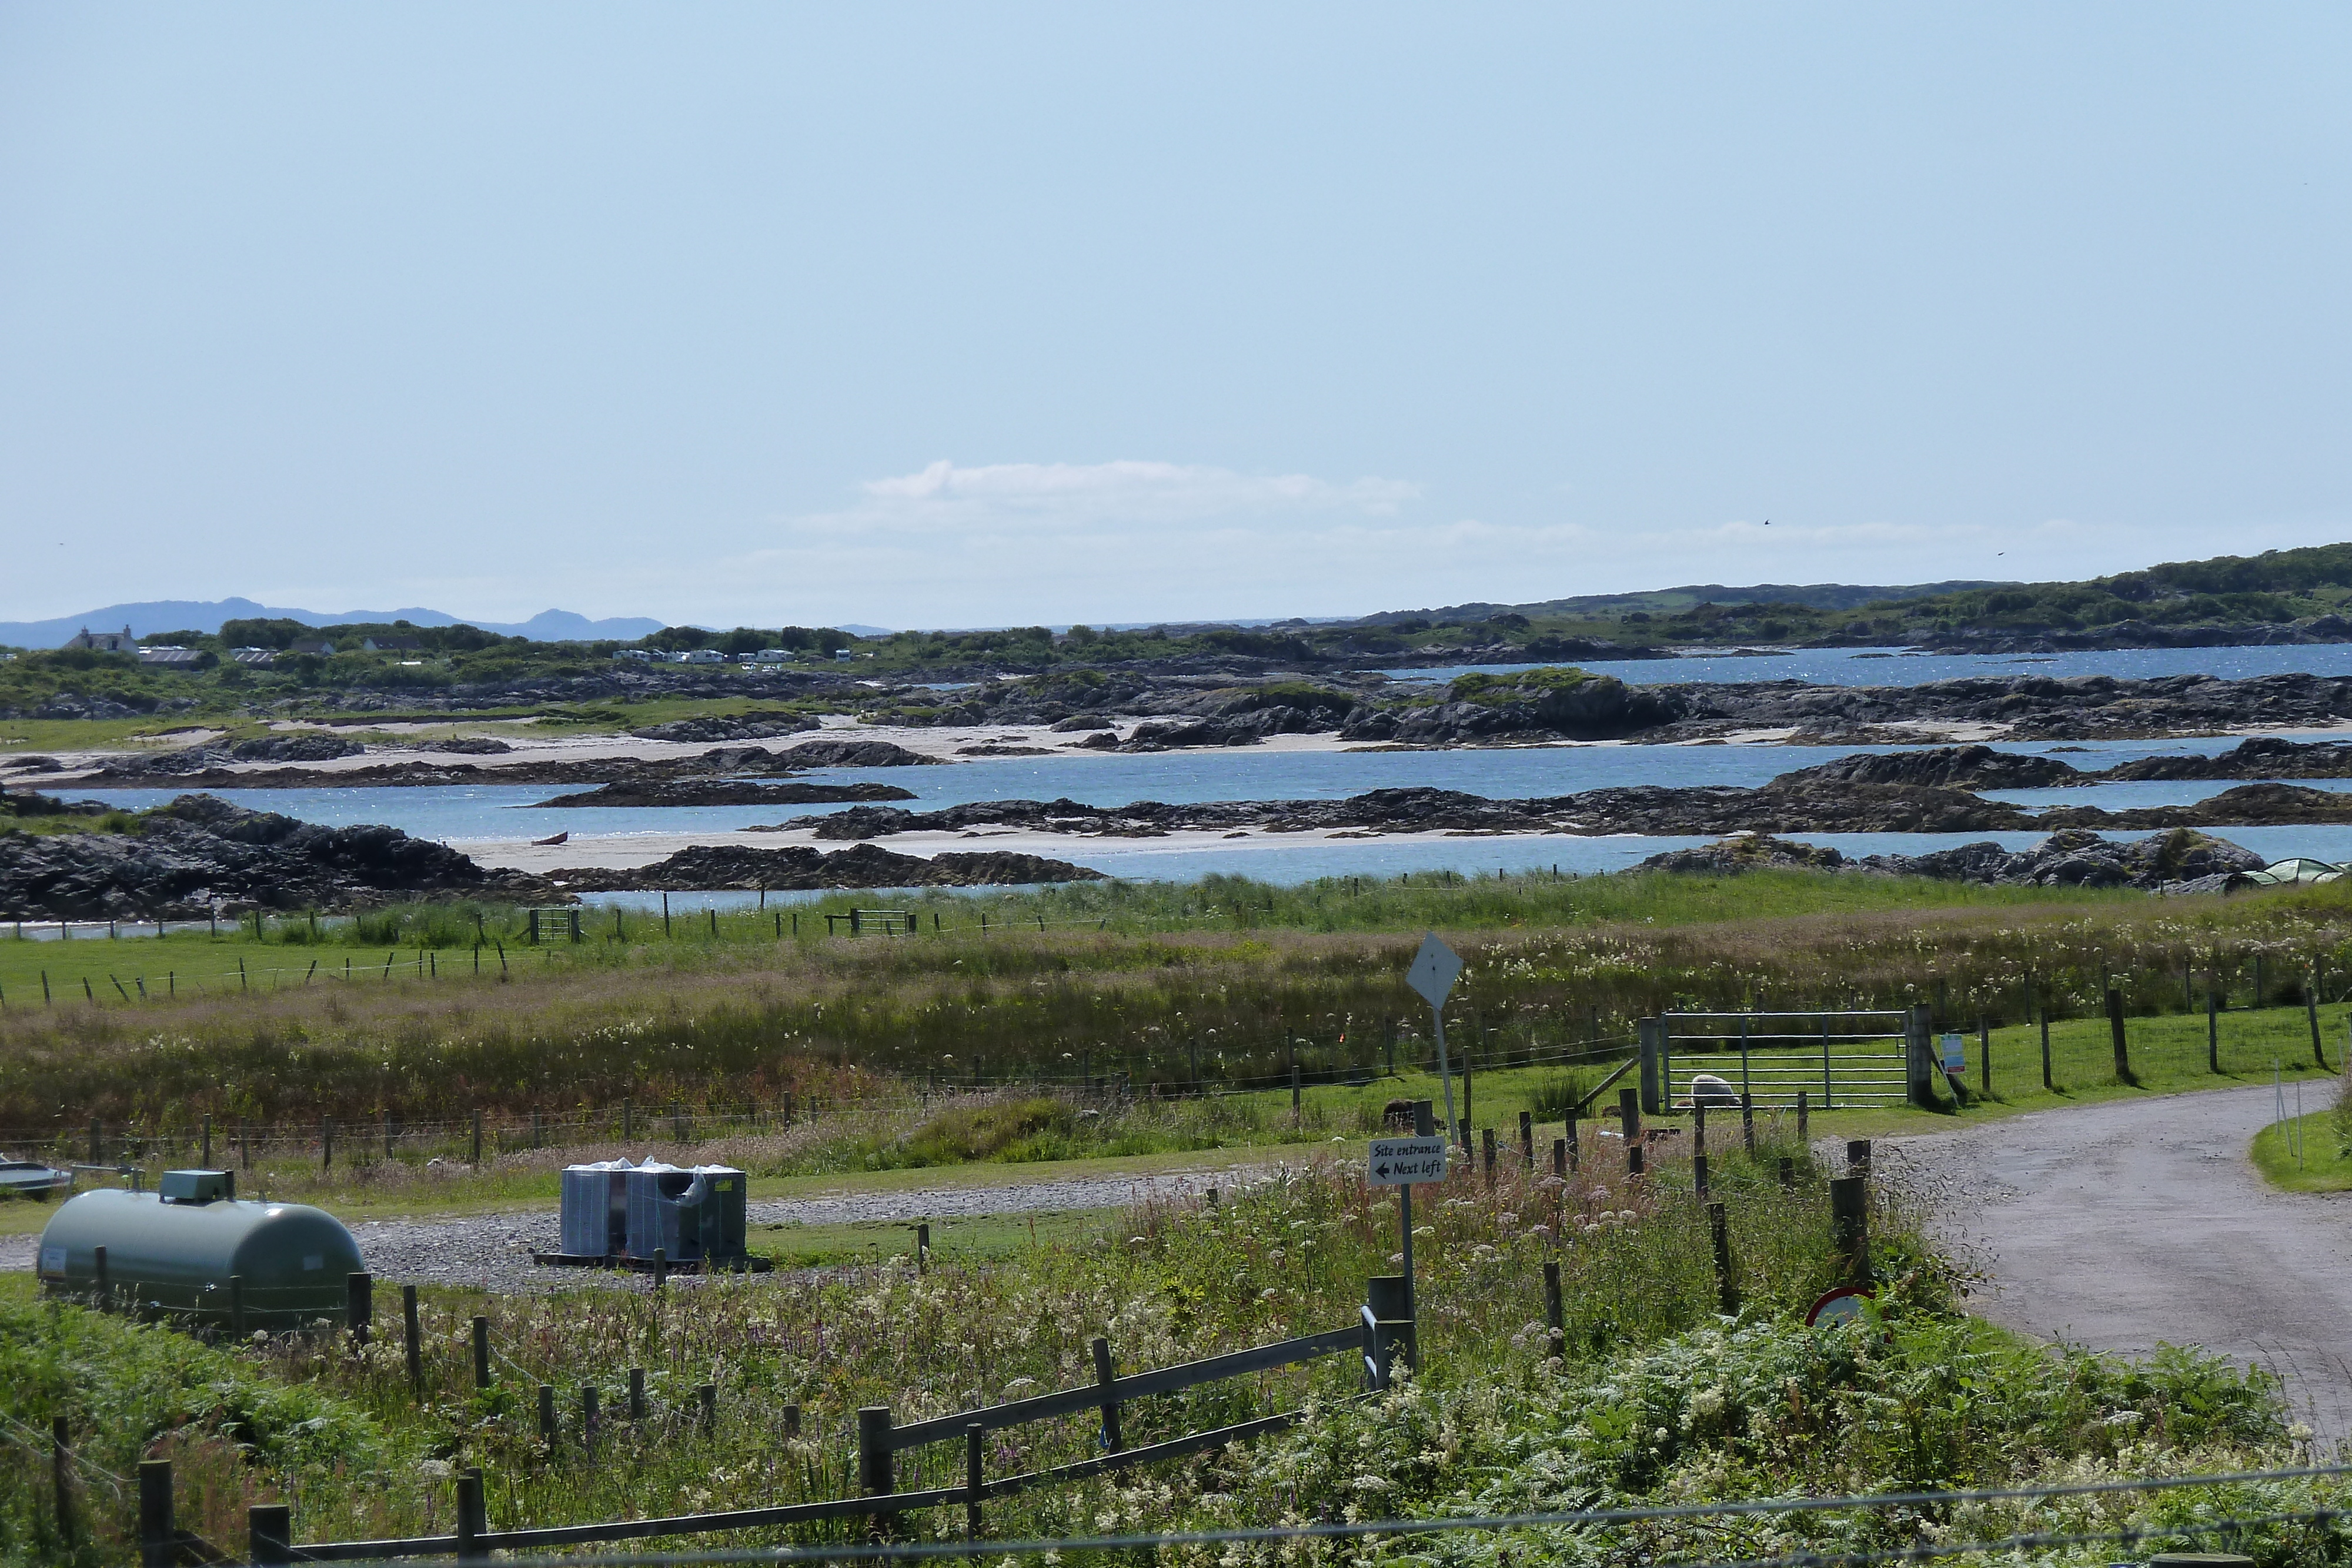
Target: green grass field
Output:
[{"x": 2305, "y": 1153}]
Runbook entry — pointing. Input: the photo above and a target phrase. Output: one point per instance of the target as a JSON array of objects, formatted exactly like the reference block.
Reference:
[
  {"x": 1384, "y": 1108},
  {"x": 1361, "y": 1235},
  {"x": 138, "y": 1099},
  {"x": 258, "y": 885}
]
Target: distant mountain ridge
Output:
[
  {"x": 1820, "y": 595},
  {"x": 156, "y": 615}
]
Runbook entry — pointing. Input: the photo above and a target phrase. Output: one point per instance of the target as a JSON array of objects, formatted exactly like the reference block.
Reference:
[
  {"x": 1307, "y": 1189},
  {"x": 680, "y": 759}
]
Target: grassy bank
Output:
[{"x": 1658, "y": 1397}]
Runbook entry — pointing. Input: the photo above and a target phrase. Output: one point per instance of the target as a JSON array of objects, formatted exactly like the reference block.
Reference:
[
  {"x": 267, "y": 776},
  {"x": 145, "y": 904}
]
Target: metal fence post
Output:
[
  {"x": 471, "y": 1516},
  {"x": 975, "y": 1488}
]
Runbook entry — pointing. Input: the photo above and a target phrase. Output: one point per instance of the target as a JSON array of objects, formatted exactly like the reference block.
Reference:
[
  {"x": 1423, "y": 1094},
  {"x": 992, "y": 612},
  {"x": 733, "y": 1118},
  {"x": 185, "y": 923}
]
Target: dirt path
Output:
[{"x": 2131, "y": 1222}]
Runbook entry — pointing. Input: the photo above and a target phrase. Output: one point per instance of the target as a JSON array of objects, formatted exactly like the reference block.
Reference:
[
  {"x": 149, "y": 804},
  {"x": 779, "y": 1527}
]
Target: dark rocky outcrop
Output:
[
  {"x": 2262, "y": 757},
  {"x": 2180, "y": 862},
  {"x": 1538, "y": 705},
  {"x": 801, "y": 869},
  {"x": 1942, "y": 767},
  {"x": 729, "y": 792},
  {"x": 468, "y": 746},
  {"x": 731, "y": 727},
  {"x": 1745, "y": 852},
  {"x": 847, "y": 753},
  {"x": 2244, "y": 806},
  {"x": 1841, "y": 808},
  {"x": 198, "y": 853}
]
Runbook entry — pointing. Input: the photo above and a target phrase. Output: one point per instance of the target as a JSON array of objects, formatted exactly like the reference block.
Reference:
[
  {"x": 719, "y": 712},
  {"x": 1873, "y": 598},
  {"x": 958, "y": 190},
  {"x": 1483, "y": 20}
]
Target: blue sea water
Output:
[{"x": 470, "y": 815}]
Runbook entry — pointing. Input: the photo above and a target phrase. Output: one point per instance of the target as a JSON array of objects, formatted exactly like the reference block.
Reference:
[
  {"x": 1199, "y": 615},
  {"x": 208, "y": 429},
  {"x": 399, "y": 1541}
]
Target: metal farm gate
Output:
[{"x": 1839, "y": 1060}]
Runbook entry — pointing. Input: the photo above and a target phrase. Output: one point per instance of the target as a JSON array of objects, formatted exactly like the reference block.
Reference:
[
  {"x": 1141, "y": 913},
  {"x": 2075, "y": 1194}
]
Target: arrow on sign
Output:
[{"x": 1434, "y": 969}]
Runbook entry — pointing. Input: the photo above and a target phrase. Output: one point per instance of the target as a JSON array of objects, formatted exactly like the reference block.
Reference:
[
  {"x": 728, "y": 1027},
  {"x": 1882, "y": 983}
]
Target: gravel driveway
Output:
[
  {"x": 2123, "y": 1224},
  {"x": 494, "y": 1250}
]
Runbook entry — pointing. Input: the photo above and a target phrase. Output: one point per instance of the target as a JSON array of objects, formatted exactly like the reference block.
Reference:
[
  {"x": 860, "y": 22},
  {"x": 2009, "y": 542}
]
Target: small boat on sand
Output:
[{"x": 556, "y": 839}]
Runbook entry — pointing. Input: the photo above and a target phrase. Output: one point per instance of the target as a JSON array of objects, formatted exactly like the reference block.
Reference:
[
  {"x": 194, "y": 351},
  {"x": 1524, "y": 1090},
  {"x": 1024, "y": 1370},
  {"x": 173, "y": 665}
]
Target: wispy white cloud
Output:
[{"x": 1029, "y": 497}]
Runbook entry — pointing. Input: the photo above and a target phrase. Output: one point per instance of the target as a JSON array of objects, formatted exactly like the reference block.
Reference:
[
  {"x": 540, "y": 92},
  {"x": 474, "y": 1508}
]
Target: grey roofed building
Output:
[
  {"x": 121, "y": 641},
  {"x": 164, "y": 655}
]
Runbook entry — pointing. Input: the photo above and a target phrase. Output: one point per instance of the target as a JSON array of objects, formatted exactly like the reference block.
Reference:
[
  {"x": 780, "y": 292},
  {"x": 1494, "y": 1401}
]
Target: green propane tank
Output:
[{"x": 172, "y": 1254}]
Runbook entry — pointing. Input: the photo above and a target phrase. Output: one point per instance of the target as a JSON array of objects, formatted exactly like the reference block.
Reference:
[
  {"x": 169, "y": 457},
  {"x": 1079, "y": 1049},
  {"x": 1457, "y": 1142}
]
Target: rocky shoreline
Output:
[
  {"x": 2180, "y": 862},
  {"x": 199, "y": 855},
  {"x": 706, "y": 868}
]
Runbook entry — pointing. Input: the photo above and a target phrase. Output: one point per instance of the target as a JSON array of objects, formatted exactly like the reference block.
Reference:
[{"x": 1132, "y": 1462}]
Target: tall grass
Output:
[
  {"x": 1657, "y": 1396},
  {"x": 730, "y": 1022}
]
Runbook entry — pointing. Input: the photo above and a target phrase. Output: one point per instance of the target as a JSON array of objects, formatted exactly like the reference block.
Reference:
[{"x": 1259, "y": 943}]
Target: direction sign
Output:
[
  {"x": 1398, "y": 1162},
  {"x": 1434, "y": 969}
]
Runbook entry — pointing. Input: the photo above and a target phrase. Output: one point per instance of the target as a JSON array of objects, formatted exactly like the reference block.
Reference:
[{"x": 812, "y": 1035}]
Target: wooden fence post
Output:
[
  {"x": 636, "y": 1394},
  {"x": 358, "y": 1307},
  {"x": 1486, "y": 1149},
  {"x": 1857, "y": 1156},
  {"x": 1559, "y": 1158},
  {"x": 707, "y": 1396},
  {"x": 1629, "y": 1113},
  {"x": 408, "y": 1329},
  {"x": 1850, "y": 1227},
  {"x": 1555, "y": 1319},
  {"x": 975, "y": 1486},
  {"x": 1788, "y": 1173},
  {"x": 269, "y": 1534},
  {"x": 1575, "y": 1142},
  {"x": 1698, "y": 1174},
  {"x": 2212, "y": 1034},
  {"x": 481, "y": 1352},
  {"x": 159, "y": 1539},
  {"x": 1804, "y": 1117},
  {"x": 2311, "y": 1010},
  {"x": 1527, "y": 1138},
  {"x": 2115, "y": 1029},
  {"x": 471, "y": 1516},
  {"x": 1727, "y": 1288},
  {"x": 1105, "y": 1376},
  {"x": 875, "y": 1467},
  {"x": 547, "y": 1415}
]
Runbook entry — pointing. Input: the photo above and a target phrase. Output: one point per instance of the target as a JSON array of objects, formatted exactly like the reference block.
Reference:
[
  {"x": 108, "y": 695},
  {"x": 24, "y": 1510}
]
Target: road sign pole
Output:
[
  {"x": 1445, "y": 1076},
  {"x": 1404, "y": 1224}
]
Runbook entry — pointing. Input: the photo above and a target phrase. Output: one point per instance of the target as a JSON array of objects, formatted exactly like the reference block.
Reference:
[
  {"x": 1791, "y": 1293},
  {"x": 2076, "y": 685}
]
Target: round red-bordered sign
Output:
[{"x": 1842, "y": 1305}]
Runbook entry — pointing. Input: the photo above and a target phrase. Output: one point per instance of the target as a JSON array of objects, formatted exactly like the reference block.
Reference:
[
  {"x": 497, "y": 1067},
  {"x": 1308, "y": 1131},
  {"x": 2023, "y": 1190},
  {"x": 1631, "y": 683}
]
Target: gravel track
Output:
[
  {"x": 493, "y": 1251},
  {"x": 2124, "y": 1224}
]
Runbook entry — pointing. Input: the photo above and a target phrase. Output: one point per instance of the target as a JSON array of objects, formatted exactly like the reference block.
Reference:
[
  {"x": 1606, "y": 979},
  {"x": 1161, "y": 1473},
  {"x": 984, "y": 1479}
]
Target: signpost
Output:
[
  {"x": 1399, "y": 1163},
  {"x": 1434, "y": 969}
]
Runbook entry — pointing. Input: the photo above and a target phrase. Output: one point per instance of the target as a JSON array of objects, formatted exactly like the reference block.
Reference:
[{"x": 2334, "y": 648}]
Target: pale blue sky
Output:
[{"x": 981, "y": 314}]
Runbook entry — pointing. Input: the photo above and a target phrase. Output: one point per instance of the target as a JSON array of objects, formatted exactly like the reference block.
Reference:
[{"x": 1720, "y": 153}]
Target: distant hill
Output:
[
  {"x": 207, "y": 615},
  {"x": 1820, "y": 595}
]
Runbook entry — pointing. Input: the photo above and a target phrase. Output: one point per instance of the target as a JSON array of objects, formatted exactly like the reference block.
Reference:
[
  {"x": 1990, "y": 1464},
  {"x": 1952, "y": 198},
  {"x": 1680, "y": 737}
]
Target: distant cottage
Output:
[
  {"x": 121, "y": 641},
  {"x": 311, "y": 645},
  {"x": 392, "y": 645}
]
